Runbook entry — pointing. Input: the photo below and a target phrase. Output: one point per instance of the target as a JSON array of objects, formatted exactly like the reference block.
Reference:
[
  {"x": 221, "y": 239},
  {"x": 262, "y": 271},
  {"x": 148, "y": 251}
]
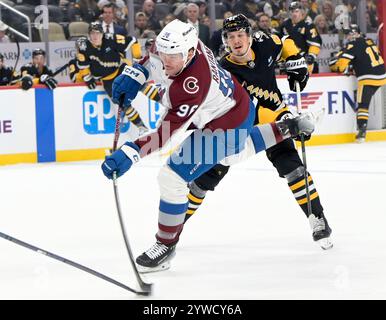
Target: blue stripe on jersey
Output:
[{"x": 257, "y": 138}]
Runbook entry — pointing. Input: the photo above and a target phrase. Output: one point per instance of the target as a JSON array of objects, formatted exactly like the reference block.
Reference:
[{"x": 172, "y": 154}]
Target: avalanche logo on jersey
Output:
[
  {"x": 307, "y": 99},
  {"x": 190, "y": 85},
  {"x": 99, "y": 114}
]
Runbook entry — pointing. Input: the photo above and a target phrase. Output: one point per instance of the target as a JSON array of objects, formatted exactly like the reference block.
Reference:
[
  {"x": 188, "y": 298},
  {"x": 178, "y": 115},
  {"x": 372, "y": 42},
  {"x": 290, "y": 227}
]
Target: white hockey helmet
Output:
[{"x": 177, "y": 37}]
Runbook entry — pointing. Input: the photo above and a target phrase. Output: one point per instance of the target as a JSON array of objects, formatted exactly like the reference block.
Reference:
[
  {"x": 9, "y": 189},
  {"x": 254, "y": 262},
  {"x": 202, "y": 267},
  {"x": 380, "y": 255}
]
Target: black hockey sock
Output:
[
  {"x": 196, "y": 196},
  {"x": 362, "y": 118},
  {"x": 298, "y": 188},
  {"x": 134, "y": 117}
]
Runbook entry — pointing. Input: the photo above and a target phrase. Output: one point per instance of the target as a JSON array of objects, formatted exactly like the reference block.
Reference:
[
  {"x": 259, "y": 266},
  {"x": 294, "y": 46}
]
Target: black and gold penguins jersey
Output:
[
  {"x": 304, "y": 34},
  {"x": 366, "y": 60},
  {"x": 103, "y": 62},
  {"x": 6, "y": 76},
  {"x": 76, "y": 75},
  {"x": 258, "y": 75},
  {"x": 34, "y": 72}
]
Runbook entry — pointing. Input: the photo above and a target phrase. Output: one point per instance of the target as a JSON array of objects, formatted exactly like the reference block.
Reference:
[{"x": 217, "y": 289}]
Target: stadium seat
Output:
[
  {"x": 219, "y": 10},
  {"x": 55, "y": 32},
  {"x": 219, "y": 23},
  {"x": 55, "y": 14},
  {"x": 77, "y": 29}
]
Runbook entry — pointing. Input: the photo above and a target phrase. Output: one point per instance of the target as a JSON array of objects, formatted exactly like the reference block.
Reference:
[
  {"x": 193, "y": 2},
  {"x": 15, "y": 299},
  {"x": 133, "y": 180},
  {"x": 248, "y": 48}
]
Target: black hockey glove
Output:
[
  {"x": 296, "y": 69},
  {"x": 310, "y": 59},
  {"x": 49, "y": 81},
  {"x": 26, "y": 82},
  {"x": 90, "y": 81},
  {"x": 306, "y": 137}
]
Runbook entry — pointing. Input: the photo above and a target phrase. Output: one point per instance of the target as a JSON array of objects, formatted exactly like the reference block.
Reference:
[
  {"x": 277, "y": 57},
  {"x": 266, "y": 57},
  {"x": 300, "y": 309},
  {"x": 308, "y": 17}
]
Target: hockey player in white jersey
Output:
[{"x": 202, "y": 97}]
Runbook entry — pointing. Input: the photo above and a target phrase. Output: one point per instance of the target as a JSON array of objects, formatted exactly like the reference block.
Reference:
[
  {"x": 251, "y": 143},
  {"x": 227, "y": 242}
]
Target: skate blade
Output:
[
  {"x": 162, "y": 267},
  {"x": 360, "y": 140},
  {"x": 325, "y": 243}
]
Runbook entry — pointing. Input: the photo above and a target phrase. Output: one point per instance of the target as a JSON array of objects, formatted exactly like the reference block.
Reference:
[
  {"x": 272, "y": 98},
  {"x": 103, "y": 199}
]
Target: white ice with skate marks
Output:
[{"x": 248, "y": 241}]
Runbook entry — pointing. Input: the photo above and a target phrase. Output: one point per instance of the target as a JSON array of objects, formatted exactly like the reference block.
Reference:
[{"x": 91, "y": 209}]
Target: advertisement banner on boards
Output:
[
  {"x": 85, "y": 119},
  {"x": 17, "y": 122}
]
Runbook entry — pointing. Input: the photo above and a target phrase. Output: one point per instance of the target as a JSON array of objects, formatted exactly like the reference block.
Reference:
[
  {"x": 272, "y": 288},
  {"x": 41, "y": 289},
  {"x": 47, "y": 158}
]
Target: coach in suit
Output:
[
  {"x": 108, "y": 24},
  {"x": 191, "y": 13}
]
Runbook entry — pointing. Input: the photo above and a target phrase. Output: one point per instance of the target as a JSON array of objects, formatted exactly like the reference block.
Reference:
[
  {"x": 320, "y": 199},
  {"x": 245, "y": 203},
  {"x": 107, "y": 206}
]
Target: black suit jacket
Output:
[
  {"x": 119, "y": 30},
  {"x": 204, "y": 33}
]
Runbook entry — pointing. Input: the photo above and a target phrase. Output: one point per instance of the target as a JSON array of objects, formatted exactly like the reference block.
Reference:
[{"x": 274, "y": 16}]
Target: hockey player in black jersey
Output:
[
  {"x": 251, "y": 59},
  {"x": 363, "y": 55},
  {"x": 304, "y": 33},
  {"x": 37, "y": 72},
  {"x": 102, "y": 57},
  {"x": 6, "y": 73}
]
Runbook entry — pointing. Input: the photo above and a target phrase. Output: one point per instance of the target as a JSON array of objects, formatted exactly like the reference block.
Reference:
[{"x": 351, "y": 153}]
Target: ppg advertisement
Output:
[{"x": 75, "y": 123}]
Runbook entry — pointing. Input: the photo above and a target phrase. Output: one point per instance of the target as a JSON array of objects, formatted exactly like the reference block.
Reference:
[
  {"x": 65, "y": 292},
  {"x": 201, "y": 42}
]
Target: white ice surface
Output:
[{"x": 249, "y": 240}]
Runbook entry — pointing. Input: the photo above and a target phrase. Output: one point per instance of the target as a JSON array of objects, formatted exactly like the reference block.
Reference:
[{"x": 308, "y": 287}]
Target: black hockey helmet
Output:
[
  {"x": 235, "y": 23},
  {"x": 295, "y": 5},
  {"x": 149, "y": 42},
  {"x": 96, "y": 26},
  {"x": 80, "y": 43},
  {"x": 353, "y": 28},
  {"x": 37, "y": 52}
]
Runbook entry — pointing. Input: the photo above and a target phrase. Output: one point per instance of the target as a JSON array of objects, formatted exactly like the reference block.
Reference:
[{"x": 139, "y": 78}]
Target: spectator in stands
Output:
[
  {"x": 168, "y": 18},
  {"x": 6, "y": 73},
  {"x": 228, "y": 5},
  {"x": 228, "y": 14},
  {"x": 328, "y": 11},
  {"x": 121, "y": 9},
  {"x": 264, "y": 23},
  {"x": 247, "y": 7},
  {"x": 372, "y": 17},
  {"x": 321, "y": 24},
  {"x": 148, "y": 8},
  {"x": 141, "y": 25},
  {"x": 83, "y": 10},
  {"x": 108, "y": 21},
  {"x": 191, "y": 14},
  {"x": 3, "y": 29},
  {"x": 310, "y": 10},
  {"x": 206, "y": 21},
  {"x": 369, "y": 26},
  {"x": 202, "y": 9}
]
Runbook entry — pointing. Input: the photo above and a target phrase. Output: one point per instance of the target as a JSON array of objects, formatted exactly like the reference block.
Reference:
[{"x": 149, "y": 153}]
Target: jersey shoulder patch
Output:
[{"x": 276, "y": 39}]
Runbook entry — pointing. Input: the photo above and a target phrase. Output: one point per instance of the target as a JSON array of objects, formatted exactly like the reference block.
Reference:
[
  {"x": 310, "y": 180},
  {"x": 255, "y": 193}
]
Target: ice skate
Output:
[
  {"x": 321, "y": 231},
  {"x": 361, "y": 136},
  {"x": 157, "y": 258}
]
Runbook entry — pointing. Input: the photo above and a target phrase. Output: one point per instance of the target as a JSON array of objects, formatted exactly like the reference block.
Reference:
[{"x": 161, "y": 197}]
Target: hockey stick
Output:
[
  {"x": 145, "y": 287},
  {"x": 63, "y": 67},
  {"x": 69, "y": 262},
  {"x": 303, "y": 145}
]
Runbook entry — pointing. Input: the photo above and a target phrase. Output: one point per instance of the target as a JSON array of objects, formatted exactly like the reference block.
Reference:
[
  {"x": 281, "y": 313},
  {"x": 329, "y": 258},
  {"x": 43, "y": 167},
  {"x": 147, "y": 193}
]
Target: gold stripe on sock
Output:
[
  {"x": 195, "y": 199},
  {"x": 300, "y": 183},
  {"x": 312, "y": 197}
]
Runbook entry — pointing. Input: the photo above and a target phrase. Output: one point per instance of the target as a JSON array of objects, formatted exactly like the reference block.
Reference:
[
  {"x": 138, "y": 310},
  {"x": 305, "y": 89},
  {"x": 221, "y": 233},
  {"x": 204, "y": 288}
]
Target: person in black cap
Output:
[
  {"x": 304, "y": 33},
  {"x": 6, "y": 73},
  {"x": 37, "y": 72},
  {"x": 363, "y": 55},
  {"x": 102, "y": 57}
]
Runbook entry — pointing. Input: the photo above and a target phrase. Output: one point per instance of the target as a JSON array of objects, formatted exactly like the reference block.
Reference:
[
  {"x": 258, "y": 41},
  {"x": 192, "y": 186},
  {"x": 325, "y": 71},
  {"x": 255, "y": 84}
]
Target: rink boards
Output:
[{"x": 73, "y": 123}]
